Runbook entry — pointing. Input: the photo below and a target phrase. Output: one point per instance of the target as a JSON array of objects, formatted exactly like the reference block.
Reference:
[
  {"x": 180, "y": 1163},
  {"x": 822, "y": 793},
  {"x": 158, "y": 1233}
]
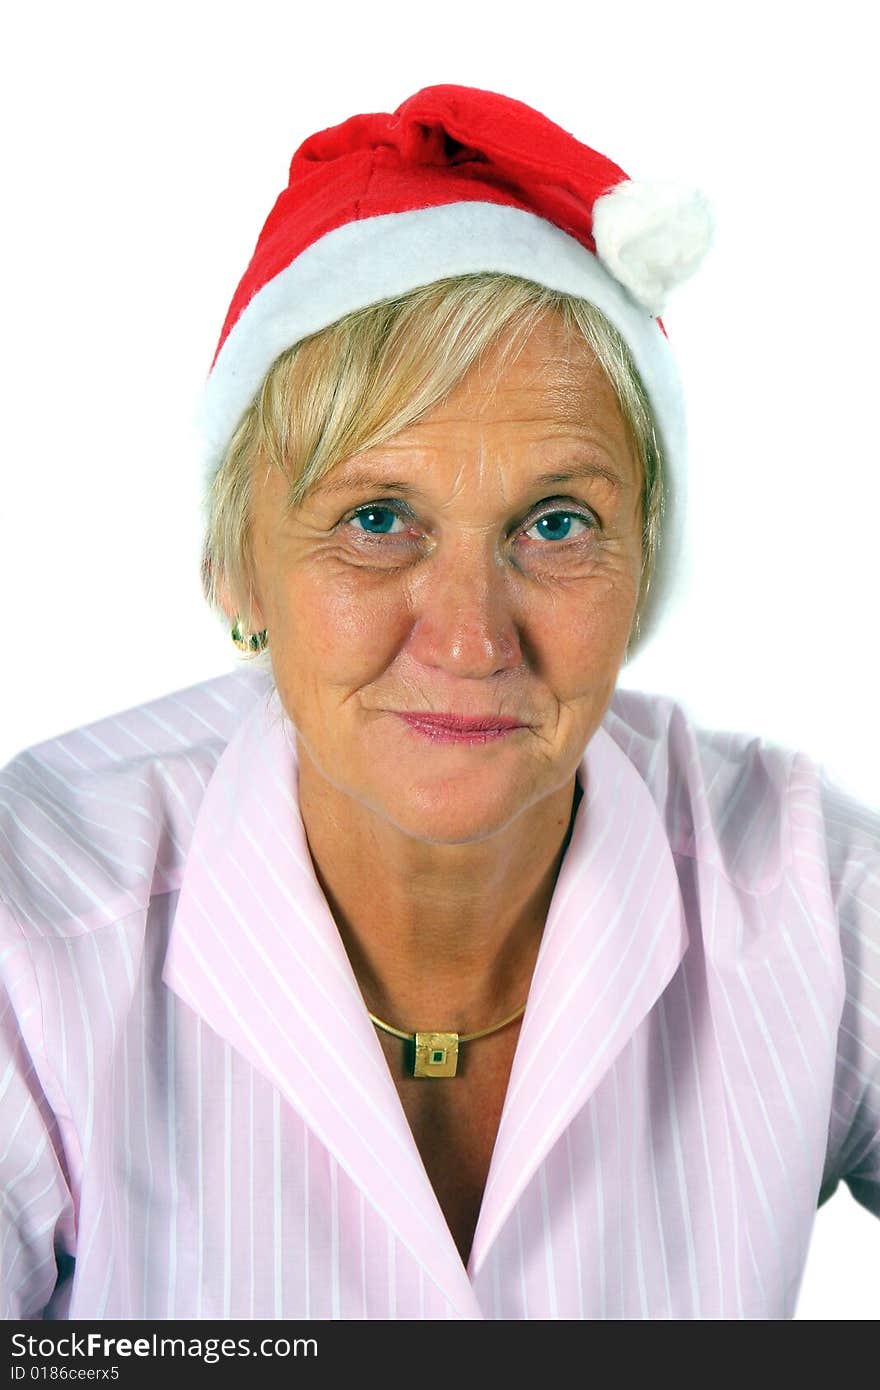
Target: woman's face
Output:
[{"x": 484, "y": 562}]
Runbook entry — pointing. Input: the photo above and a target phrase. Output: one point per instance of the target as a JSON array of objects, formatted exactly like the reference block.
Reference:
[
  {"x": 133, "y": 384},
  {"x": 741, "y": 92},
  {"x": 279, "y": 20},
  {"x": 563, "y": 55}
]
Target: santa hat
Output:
[{"x": 456, "y": 181}]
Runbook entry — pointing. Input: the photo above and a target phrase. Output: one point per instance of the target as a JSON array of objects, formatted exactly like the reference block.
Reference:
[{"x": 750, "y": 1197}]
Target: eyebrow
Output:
[{"x": 353, "y": 482}]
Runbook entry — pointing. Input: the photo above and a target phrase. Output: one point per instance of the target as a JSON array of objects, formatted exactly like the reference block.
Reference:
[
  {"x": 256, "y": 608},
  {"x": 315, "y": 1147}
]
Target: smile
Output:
[{"x": 439, "y": 730}]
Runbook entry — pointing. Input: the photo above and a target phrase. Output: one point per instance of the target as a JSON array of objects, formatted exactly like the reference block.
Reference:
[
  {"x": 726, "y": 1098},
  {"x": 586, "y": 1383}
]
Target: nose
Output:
[{"x": 465, "y": 613}]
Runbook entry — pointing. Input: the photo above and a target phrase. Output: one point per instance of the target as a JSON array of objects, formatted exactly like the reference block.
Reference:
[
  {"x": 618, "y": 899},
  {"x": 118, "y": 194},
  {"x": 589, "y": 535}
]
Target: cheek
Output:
[
  {"x": 343, "y": 627},
  {"x": 578, "y": 634}
]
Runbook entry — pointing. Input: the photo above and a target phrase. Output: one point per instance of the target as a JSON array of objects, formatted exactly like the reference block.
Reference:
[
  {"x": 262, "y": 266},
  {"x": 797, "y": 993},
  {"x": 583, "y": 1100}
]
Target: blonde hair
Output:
[{"x": 376, "y": 371}]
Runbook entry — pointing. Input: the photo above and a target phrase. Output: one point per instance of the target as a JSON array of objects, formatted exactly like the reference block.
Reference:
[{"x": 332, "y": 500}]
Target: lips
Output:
[{"x": 460, "y": 723}]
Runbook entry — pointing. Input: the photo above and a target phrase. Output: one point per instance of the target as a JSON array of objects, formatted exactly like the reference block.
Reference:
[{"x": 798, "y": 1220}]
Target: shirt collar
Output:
[{"x": 254, "y": 950}]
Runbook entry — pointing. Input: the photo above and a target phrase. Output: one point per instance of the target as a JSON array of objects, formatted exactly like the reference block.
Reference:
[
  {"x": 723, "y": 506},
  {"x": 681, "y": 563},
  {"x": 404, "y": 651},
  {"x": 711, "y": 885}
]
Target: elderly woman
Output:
[{"x": 414, "y": 971}]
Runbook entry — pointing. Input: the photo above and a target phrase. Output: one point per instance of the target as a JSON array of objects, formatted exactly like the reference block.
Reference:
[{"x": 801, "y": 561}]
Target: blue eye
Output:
[
  {"x": 556, "y": 526},
  {"x": 378, "y": 517}
]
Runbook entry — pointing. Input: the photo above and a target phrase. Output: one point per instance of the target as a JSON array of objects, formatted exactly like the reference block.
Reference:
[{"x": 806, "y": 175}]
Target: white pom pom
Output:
[{"x": 651, "y": 236}]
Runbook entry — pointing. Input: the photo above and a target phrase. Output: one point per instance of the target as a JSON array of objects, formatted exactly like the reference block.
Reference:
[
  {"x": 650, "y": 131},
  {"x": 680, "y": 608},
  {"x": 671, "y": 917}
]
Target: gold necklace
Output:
[{"x": 436, "y": 1054}]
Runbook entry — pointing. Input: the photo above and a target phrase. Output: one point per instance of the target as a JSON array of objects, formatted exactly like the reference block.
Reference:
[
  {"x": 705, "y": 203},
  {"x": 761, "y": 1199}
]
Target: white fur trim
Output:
[
  {"x": 364, "y": 262},
  {"x": 651, "y": 237}
]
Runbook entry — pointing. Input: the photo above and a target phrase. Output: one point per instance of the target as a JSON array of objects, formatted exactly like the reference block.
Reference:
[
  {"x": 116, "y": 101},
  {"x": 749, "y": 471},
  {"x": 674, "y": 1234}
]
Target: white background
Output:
[{"x": 145, "y": 144}]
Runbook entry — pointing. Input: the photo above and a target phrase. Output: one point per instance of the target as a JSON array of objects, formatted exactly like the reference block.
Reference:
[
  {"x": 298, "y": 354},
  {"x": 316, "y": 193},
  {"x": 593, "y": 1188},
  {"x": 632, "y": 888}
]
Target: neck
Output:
[{"x": 445, "y": 936}]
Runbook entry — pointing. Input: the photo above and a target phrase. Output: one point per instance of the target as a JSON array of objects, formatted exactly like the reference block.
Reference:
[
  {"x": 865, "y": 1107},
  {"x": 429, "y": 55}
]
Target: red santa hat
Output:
[{"x": 455, "y": 181}]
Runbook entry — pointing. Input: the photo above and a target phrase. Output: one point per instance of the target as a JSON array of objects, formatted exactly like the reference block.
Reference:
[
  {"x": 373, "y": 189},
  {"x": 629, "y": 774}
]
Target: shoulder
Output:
[
  {"x": 850, "y": 831},
  {"x": 755, "y": 809},
  {"x": 96, "y": 821}
]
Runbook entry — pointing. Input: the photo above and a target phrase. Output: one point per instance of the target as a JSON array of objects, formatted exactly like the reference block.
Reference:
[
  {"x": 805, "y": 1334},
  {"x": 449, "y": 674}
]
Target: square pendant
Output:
[{"x": 436, "y": 1054}]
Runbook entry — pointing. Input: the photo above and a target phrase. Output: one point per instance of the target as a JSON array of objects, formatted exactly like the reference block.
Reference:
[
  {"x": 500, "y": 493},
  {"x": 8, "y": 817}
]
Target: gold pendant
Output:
[{"x": 436, "y": 1054}]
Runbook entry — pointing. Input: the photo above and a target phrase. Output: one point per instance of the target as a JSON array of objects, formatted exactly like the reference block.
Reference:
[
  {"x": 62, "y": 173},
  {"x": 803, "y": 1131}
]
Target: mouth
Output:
[{"x": 458, "y": 728}]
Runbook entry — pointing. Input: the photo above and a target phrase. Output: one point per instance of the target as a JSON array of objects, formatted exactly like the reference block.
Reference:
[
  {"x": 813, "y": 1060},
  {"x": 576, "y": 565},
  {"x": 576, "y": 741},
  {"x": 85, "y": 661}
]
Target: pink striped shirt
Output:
[{"x": 198, "y": 1120}]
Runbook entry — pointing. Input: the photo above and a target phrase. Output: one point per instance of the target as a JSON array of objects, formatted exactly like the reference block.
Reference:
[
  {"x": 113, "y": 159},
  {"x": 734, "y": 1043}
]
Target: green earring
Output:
[{"x": 257, "y": 642}]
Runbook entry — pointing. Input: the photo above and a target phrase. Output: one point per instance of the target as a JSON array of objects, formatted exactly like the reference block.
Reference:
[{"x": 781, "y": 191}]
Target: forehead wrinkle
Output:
[
  {"x": 458, "y": 482},
  {"x": 425, "y": 472},
  {"x": 478, "y": 470}
]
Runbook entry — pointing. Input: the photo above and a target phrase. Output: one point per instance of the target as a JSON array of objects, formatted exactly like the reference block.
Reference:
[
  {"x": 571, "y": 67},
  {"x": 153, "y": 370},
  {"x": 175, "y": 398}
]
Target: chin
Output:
[{"x": 451, "y": 812}]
